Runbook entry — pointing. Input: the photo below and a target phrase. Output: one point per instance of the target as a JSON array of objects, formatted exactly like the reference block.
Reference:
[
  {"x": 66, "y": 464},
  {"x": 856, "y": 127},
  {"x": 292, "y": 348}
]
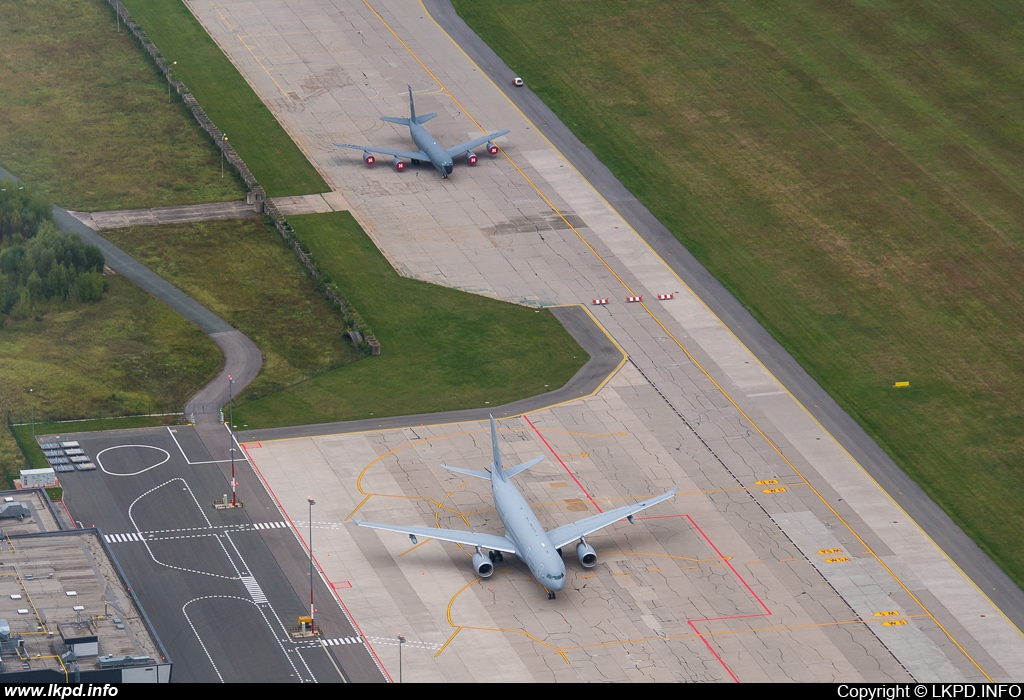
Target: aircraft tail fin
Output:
[
  {"x": 467, "y": 472},
  {"x": 496, "y": 469},
  {"x": 412, "y": 106}
]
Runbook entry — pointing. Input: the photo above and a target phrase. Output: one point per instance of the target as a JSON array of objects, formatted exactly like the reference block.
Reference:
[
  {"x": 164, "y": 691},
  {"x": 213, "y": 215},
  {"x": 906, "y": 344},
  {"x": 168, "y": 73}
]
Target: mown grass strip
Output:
[
  {"x": 854, "y": 173},
  {"x": 278, "y": 164},
  {"x": 442, "y": 349}
]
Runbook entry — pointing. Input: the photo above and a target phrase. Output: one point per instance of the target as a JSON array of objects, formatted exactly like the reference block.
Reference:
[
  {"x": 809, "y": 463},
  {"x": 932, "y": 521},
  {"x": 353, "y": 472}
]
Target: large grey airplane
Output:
[
  {"x": 524, "y": 537},
  {"x": 430, "y": 149}
]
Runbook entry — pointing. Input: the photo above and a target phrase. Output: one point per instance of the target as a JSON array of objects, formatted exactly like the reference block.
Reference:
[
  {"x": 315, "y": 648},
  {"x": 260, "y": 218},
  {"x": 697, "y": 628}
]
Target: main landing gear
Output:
[{"x": 495, "y": 556}]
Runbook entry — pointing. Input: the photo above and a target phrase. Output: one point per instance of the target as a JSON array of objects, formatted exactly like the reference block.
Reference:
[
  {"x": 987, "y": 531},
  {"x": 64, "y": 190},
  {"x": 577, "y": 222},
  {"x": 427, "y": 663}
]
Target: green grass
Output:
[
  {"x": 272, "y": 156},
  {"x": 85, "y": 118},
  {"x": 854, "y": 173},
  {"x": 125, "y": 354},
  {"x": 251, "y": 279},
  {"x": 441, "y": 349}
]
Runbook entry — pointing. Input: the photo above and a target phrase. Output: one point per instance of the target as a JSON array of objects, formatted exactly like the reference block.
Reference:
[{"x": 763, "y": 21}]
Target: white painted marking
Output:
[
  {"x": 254, "y": 589},
  {"x": 167, "y": 457}
]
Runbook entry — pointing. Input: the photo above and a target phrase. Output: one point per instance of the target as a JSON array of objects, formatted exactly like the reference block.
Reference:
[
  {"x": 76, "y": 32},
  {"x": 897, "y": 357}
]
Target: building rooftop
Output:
[{"x": 60, "y": 587}]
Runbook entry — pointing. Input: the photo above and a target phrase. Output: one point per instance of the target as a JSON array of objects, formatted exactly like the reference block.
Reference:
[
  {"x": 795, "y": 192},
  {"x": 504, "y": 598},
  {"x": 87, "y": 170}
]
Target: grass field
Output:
[
  {"x": 441, "y": 349},
  {"x": 125, "y": 354},
  {"x": 84, "y": 117},
  {"x": 274, "y": 159},
  {"x": 854, "y": 173},
  {"x": 251, "y": 279}
]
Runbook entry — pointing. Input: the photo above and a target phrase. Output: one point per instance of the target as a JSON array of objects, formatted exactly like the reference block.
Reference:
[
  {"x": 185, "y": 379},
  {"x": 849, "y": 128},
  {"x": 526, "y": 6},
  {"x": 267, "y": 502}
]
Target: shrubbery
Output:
[{"x": 40, "y": 266}]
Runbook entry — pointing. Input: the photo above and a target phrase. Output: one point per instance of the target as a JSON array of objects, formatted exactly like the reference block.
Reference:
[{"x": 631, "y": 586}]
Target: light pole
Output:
[
  {"x": 312, "y": 623},
  {"x": 231, "y": 443},
  {"x": 169, "y": 71},
  {"x": 401, "y": 641},
  {"x": 32, "y": 407},
  {"x": 223, "y": 141}
]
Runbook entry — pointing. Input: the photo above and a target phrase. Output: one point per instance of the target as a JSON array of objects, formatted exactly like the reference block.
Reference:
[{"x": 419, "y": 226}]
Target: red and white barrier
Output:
[
  {"x": 633, "y": 299},
  {"x": 663, "y": 297},
  {"x": 600, "y": 302}
]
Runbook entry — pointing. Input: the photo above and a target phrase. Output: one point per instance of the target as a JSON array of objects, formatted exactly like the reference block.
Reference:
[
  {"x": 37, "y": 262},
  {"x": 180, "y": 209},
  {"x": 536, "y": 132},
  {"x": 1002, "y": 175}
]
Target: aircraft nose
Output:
[{"x": 448, "y": 169}]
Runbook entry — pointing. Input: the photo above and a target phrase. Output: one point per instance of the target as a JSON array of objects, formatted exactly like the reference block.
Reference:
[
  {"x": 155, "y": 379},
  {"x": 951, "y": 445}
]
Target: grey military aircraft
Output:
[
  {"x": 524, "y": 537},
  {"x": 430, "y": 150}
]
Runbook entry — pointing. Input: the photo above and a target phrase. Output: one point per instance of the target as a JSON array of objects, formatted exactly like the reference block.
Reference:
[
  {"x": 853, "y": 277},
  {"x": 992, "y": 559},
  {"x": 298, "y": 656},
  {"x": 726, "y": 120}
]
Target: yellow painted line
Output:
[
  {"x": 790, "y": 559},
  {"x": 257, "y": 59},
  {"x": 697, "y": 364},
  {"x": 361, "y": 504},
  {"x": 416, "y": 546},
  {"x": 449, "y": 641},
  {"x": 716, "y": 384}
]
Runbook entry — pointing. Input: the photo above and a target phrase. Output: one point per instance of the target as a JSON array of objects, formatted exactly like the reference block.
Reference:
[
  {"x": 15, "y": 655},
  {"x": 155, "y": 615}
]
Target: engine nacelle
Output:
[
  {"x": 471, "y": 157},
  {"x": 369, "y": 158},
  {"x": 492, "y": 148},
  {"x": 586, "y": 554},
  {"x": 399, "y": 164},
  {"x": 483, "y": 565}
]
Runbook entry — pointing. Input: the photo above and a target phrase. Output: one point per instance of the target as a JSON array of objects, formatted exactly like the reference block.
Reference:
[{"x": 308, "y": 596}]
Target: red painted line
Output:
[
  {"x": 337, "y": 597},
  {"x": 573, "y": 476},
  {"x": 729, "y": 564},
  {"x": 750, "y": 590},
  {"x": 73, "y": 523},
  {"x": 724, "y": 665}
]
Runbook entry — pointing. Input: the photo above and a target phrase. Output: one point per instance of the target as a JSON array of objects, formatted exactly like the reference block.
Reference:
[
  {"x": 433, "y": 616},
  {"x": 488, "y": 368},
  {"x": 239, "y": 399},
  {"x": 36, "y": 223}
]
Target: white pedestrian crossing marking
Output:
[
  {"x": 254, "y": 589},
  {"x": 122, "y": 537}
]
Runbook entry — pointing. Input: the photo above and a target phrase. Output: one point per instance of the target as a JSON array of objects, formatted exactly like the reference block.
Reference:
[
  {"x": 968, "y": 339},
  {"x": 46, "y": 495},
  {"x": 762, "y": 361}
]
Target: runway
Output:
[{"x": 800, "y": 558}]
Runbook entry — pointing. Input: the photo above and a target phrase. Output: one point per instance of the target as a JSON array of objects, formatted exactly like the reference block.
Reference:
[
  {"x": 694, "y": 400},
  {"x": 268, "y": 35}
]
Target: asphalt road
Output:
[{"x": 918, "y": 505}]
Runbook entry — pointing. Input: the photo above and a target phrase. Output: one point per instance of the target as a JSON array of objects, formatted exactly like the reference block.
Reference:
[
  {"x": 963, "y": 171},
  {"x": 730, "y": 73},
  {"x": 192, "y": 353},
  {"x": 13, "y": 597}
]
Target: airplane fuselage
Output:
[
  {"x": 533, "y": 546},
  {"x": 429, "y": 145}
]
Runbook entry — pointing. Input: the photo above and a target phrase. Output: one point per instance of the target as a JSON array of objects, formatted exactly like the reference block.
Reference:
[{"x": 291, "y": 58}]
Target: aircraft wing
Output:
[
  {"x": 473, "y": 539},
  {"x": 565, "y": 534},
  {"x": 411, "y": 155},
  {"x": 469, "y": 145}
]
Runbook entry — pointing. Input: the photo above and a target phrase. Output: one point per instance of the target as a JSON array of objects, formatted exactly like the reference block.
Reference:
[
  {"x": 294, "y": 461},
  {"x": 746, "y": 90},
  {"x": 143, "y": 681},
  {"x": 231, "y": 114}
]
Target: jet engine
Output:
[
  {"x": 483, "y": 565},
  {"x": 369, "y": 158},
  {"x": 471, "y": 157},
  {"x": 492, "y": 148},
  {"x": 399, "y": 164},
  {"x": 586, "y": 554}
]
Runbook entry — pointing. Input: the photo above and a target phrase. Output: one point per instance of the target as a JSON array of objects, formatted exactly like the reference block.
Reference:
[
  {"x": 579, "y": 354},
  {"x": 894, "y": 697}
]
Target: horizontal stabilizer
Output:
[
  {"x": 396, "y": 120},
  {"x": 467, "y": 472},
  {"x": 512, "y": 471},
  {"x": 425, "y": 117}
]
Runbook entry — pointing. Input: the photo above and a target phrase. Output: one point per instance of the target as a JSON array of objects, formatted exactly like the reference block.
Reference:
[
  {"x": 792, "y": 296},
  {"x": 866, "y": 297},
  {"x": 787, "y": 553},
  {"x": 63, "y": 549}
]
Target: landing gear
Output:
[
  {"x": 551, "y": 595},
  {"x": 415, "y": 161},
  {"x": 559, "y": 550},
  {"x": 495, "y": 556}
]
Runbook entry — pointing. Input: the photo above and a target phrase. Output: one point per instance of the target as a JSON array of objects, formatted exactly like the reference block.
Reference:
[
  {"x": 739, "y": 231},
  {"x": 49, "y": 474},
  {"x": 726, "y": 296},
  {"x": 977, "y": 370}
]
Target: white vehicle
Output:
[{"x": 517, "y": 81}]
